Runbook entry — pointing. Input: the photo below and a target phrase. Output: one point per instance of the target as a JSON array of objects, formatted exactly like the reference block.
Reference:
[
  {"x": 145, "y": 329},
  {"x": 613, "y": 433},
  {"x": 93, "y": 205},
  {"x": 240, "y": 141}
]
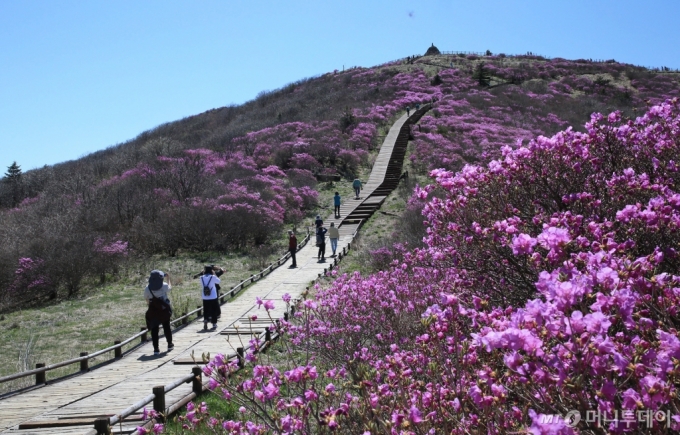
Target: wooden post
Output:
[
  {"x": 200, "y": 311},
  {"x": 144, "y": 336},
  {"x": 185, "y": 320},
  {"x": 84, "y": 364},
  {"x": 101, "y": 425},
  {"x": 118, "y": 352},
  {"x": 159, "y": 402},
  {"x": 197, "y": 384},
  {"x": 40, "y": 378},
  {"x": 239, "y": 351}
]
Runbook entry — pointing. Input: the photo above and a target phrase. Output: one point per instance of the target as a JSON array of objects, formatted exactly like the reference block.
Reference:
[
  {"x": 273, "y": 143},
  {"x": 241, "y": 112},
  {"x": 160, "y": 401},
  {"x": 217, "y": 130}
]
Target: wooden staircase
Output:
[{"x": 386, "y": 180}]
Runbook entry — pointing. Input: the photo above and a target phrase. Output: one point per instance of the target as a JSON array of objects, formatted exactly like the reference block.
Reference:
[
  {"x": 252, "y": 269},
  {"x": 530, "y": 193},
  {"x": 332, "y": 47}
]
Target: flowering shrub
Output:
[
  {"x": 30, "y": 279},
  {"x": 173, "y": 187},
  {"x": 548, "y": 284}
]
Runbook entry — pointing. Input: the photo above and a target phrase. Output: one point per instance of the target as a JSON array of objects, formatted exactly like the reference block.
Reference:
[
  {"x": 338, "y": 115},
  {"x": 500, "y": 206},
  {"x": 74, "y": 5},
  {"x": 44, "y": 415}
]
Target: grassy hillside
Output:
[{"x": 77, "y": 236}]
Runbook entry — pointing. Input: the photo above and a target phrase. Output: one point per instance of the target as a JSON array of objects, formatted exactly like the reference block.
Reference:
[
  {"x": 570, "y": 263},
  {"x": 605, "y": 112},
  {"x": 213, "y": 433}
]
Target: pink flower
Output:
[
  {"x": 415, "y": 415},
  {"x": 553, "y": 238},
  {"x": 523, "y": 244}
]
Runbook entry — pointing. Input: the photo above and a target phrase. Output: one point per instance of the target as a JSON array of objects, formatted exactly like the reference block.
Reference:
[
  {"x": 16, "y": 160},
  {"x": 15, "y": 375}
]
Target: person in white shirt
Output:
[{"x": 211, "y": 303}]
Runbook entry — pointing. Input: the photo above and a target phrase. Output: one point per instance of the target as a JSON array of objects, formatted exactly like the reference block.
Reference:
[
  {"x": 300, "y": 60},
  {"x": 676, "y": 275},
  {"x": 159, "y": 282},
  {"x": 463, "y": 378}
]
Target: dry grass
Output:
[{"x": 101, "y": 315}]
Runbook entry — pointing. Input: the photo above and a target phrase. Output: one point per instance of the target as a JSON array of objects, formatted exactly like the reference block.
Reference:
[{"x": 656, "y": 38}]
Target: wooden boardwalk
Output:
[{"x": 70, "y": 406}]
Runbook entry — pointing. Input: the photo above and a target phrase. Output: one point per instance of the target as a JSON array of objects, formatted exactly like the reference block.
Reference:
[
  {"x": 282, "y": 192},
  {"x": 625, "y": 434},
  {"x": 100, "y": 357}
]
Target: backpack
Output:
[
  {"x": 206, "y": 288},
  {"x": 159, "y": 310}
]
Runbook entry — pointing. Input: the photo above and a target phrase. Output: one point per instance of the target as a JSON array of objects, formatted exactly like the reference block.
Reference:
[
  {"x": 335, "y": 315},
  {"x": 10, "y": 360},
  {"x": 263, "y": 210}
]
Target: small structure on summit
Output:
[{"x": 432, "y": 51}]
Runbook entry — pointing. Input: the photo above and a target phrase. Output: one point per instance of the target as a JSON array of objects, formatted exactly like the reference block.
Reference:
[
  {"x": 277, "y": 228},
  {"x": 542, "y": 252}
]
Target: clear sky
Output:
[{"x": 79, "y": 76}]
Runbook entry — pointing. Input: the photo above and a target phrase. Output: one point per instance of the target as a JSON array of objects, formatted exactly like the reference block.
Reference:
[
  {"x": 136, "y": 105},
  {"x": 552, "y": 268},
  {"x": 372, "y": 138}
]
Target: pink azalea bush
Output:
[
  {"x": 548, "y": 284},
  {"x": 178, "y": 186}
]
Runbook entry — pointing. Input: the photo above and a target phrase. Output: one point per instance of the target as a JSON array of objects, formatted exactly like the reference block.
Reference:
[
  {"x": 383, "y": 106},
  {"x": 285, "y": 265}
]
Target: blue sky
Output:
[{"x": 79, "y": 76}]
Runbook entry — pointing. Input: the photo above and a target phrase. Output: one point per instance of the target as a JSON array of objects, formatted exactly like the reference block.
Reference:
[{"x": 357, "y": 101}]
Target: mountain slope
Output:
[{"x": 233, "y": 176}]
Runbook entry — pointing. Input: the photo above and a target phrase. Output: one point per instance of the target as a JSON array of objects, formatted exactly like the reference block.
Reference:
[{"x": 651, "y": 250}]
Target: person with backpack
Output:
[
  {"x": 211, "y": 303},
  {"x": 357, "y": 187},
  {"x": 292, "y": 247},
  {"x": 321, "y": 243},
  {"x": 218, "y": 272},
  {"x": 333, "y": 235},
  {"x": 160, "y": 310},
  {"x": 336, "y": 203},
  {"x": 408, "y": 110}
]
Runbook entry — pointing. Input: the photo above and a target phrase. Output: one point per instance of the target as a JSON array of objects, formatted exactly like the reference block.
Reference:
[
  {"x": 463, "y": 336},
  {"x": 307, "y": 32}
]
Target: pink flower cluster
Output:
[
  {"x": 29, "y": 276},
  {"x": 549, "y": 283}
]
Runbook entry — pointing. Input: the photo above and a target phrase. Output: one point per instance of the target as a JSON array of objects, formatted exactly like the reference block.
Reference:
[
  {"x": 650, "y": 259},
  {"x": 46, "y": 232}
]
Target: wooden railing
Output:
[
  {"x": 102, "y": 426},
  {"x": 41, "y": 369},
  {"x": 157, "y": 397}
]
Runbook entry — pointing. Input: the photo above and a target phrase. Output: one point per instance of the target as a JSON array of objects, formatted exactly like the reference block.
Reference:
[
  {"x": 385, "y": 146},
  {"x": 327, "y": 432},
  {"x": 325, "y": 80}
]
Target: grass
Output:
[
  {"x": 218, "y": 408},
  {"x": 102, "y": 314}
]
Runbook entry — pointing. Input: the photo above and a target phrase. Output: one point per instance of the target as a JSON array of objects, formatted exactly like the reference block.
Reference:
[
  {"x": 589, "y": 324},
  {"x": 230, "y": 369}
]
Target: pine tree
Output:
[
  {"x": 13, "y": 178},
  {"x": 13, "y": 174},
  {"x": 482, "y": 75}
]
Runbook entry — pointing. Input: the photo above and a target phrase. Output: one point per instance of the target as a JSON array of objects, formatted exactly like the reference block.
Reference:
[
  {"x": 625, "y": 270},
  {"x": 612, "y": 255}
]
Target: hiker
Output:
[
  {"x": 318, "y": 222},
  {"x": 321, "y": 243},
  {"x": 408, "y": 111},
  {"x": 357, "y": 187},
  {"x": 417, "y": 106},
  {"x": 218, "y": 272},
  {"x": 292, "y": 247},
  {"x": 160, "y": 310},
  {"x": 333, "y": 235},
  {"x": 211, "y": 303},
  {"x": 336, "y": 203}
]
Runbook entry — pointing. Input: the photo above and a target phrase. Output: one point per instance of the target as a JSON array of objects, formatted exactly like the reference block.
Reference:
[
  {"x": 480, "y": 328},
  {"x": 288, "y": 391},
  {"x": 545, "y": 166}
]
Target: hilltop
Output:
[{"x": 232, "y": 177}]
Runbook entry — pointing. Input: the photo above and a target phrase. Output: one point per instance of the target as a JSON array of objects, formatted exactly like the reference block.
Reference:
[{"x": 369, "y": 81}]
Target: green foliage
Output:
[
  {"x": 219, "y": 408},
  {"x": 13, "y": 178},
  {"x": 13, "y": 174},
  {"x": 481, "y": 75},
  {"x": 347, "y": 120}
]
